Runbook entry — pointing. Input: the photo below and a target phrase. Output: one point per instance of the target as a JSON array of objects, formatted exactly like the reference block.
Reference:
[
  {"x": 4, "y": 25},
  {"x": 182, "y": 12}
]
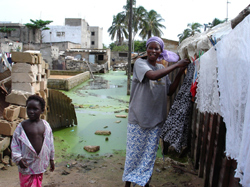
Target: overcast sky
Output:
[{"x": 176, "y": 13}]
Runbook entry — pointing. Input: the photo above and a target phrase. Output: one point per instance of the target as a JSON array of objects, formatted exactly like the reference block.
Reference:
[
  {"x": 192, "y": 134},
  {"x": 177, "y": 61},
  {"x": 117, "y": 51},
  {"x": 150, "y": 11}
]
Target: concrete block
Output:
[
  {"x": 17, "y": 97},
  {"x": 47, "y": 72},
  {"x": 24, "y": 68},
  {"x": 39, "y": 77},
  {"x": 39, "y": 58},
  {"x": 43, "y": 64},
  {"x": 37, "y": 86},
  {"x": 47, "y": 92},
  {"x": 4, "y": 143},
  {"x": 24, "y": 86},
  {"x": 20, "y": 57},
  {"x": 7, "y": 128},
  {"x": 43, "y": 85},
  {"x": 23, "y": 112},
  {"x": 23, "y": 77},
  {"x": 11, "y": 112},
  {"x": 46, "y": 66},
  {"x": 39, "y": 68},
  {"x": 92, "y": 148},
  {"x": 43, "y": 94}
]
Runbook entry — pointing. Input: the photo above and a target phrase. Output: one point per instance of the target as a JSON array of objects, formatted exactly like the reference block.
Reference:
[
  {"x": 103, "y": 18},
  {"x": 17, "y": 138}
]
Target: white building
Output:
[
  {"x": 75, "y": 30},
  {"x": 96, "y": 37}
]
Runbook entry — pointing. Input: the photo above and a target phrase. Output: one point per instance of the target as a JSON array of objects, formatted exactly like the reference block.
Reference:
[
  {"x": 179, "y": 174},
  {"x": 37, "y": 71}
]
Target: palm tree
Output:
[
  {"x": 118, "y": 28},
  {"x": 217, "y": 21},
  {"x": 38, "y": 25},
  {"x": 184, "y": 35},
  {"x": 151, "y": 25},
  {"x": 192, "y": 29}
]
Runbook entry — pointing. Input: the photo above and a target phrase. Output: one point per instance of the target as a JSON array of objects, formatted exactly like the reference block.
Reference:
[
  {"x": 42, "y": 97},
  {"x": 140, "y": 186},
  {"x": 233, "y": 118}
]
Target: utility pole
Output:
[
  {"x": 227, "y": 9},
  {"x": 130, "y": 45}
]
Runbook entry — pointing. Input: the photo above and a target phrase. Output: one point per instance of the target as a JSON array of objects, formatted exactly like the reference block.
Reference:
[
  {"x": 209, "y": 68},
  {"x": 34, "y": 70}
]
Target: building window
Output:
[
  {"x": 100, "y": 57},
  {"x": 92, "y": 42},
  {"x": 123, "y": 54},
  {"x": 60, "y": 33},
  {"x": 92, "y": 33}
]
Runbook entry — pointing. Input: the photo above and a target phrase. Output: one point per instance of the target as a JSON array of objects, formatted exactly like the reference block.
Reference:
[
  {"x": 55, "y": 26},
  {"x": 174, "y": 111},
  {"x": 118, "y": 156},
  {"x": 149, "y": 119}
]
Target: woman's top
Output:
[
  {"x": 22, "y": 148},
  {"x": 148, "y": 98}
]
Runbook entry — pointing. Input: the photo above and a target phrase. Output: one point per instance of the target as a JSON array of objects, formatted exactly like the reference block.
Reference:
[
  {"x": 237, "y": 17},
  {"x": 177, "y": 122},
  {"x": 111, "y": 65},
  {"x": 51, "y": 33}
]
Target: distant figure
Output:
[
  {"x": 32, "y": 145},
  {"x": 113, "y": 59}
]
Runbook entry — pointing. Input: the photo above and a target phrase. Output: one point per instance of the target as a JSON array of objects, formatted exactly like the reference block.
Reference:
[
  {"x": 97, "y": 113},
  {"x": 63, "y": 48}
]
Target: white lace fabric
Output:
[
  {"x": 207, "y": 96},
  {"x": 233, "y": 55}
]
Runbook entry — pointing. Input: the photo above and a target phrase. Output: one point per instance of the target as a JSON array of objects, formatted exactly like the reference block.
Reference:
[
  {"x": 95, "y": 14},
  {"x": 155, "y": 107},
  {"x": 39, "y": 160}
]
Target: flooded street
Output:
[{"x": 97, "y": 102}]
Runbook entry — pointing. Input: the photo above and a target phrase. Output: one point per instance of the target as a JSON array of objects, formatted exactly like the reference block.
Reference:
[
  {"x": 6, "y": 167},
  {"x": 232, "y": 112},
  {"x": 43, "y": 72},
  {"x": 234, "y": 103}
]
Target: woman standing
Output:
[{"x": 147, "y": 110}]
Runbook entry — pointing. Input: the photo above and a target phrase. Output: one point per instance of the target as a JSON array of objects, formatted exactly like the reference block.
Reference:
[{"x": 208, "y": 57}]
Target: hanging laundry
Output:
[
  {"x": 176, "y": 127},
  {"x": 234, "y": 86},
  {"x": 207, "y": 97}
]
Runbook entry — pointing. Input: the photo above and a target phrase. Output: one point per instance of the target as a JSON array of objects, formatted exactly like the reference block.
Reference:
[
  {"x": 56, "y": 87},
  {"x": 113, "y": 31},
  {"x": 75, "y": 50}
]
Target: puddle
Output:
[{"x": 101, "y": 100}]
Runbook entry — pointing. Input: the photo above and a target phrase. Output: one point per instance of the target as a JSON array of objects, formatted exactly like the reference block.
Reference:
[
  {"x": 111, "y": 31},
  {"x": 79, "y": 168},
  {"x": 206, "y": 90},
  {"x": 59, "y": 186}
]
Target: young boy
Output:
[{"x": 32, "y": 145}]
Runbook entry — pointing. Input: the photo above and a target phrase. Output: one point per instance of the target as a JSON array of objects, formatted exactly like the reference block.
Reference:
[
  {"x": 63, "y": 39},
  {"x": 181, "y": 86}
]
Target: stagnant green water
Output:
[{"x": 102, "y": 99}]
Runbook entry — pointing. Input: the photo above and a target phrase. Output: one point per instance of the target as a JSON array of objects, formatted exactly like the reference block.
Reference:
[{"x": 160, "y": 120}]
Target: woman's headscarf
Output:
[{"x": 169, "y": 56}]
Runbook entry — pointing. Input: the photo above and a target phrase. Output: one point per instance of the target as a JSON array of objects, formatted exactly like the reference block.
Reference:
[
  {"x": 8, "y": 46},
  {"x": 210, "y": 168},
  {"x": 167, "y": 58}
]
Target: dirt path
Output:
[{"x": 106, "y": 172}]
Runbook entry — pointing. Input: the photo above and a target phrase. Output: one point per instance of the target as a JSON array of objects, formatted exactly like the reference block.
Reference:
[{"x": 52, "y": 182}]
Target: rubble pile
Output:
[{"x": 29, "y": 76}]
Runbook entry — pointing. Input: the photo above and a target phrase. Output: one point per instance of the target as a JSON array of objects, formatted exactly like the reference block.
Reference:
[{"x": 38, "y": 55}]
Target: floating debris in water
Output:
[
  {"x": 105, "y": 127},
  {"x": 118, "y": 121},
  {"x": 106, "y": 139},
  {"x": 103, "y": 132},
  {"x": 121, "y": 116}
]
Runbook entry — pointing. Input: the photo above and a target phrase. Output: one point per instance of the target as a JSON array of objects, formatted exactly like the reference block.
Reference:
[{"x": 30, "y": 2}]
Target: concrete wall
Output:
[
  {"x": 96, "y": 37},
  {"x": 49, "y": 54},
  {"x": 171, "y": 45},
  {"x": 119, "y": 56},
  {"x": 67, "y": 84},
  {"x": 21, "y": 33},
  {"x": 8, "y": 46}
]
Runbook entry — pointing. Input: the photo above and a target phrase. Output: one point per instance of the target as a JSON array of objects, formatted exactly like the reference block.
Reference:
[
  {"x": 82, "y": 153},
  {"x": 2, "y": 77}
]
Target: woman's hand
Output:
[
  {"x": 22, "y": 163},
  {"x": 183, "y": 63}
]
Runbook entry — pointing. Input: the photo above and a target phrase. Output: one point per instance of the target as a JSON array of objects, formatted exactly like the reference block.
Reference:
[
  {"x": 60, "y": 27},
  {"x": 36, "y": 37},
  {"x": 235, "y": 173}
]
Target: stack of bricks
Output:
[{"x": 29, "y": 76}]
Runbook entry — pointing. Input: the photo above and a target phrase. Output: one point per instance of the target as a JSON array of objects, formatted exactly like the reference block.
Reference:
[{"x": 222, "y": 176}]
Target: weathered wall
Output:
[
  {"x": 118, "y": 57},
  {"x": 21, "y": 33},
  {"x": 67, "y": 84}
]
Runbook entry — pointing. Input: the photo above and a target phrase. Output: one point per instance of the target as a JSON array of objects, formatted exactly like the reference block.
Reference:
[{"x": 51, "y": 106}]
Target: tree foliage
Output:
[
  {"x": 217, "y": 21},
  {"x": 145, "y": 23},
  {"x": 140, "y": 46},
  {"x": 118, "y": 28},
  {"x": 192, "y": 29},
  {"x": 38, "y": 24},
  {"x": 6, "y": 30}
]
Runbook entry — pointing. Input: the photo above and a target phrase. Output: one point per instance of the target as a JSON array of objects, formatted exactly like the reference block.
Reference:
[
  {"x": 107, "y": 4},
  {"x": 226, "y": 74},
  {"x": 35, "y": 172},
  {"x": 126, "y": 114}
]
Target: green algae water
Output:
[
  {"x": 100, "y": 100},
  {"x": 97, "y": 103}
]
